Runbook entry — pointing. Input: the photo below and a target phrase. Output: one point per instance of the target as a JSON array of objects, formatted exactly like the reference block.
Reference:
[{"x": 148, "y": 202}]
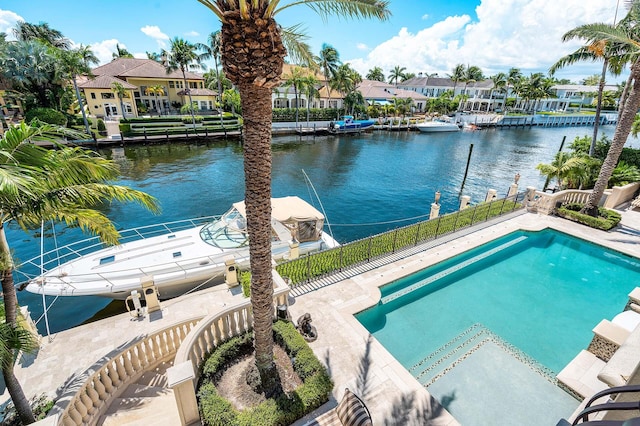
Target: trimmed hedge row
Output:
[
  {"x": 350, "y": 254},
  {"x": 606, "y": 219},
  {"x": 283, "y": 410}
]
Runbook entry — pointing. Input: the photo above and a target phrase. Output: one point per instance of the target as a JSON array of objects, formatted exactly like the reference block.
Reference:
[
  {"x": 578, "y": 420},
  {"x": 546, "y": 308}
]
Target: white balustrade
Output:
[
  {"x": 545, "y": 203},
  {"x": 117, "y": 373}
]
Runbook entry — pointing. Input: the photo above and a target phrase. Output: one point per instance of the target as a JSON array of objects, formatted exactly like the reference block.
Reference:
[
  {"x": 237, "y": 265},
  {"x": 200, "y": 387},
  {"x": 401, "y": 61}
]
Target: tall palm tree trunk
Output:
[
  {"x": 596, "y": 124},
  {"x": 20, "y": 401},
  {"x": 215, "y": 60},
  {"x": 620, "y": 136},
  {"x": 295, "y": 94},
  {"x": 256, "y": 111},
  {"x": 81, "y": 104},
  {"x": 188, "y": 90}
]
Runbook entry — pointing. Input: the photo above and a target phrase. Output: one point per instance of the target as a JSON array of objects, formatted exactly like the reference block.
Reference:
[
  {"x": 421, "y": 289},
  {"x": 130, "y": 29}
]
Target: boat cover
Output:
[{"x": 304, "y": 220}]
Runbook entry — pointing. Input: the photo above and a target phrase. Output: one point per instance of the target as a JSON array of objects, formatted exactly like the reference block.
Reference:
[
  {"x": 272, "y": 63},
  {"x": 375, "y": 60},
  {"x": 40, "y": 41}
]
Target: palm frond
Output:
[
  {"x": 345, "y": 8},
  {"x": 298, "y": 49}
]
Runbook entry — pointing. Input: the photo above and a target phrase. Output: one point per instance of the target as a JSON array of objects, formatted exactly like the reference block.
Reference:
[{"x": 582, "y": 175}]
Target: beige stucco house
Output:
[{"x": 139, "y": 77}]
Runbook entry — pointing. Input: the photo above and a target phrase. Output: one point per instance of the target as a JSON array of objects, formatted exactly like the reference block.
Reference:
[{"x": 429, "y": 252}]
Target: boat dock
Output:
[{"x": 482, "y": 121}]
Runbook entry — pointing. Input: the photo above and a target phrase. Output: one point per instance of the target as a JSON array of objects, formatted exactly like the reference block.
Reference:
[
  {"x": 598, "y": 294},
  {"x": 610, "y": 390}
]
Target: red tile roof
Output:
[
  {"x": 104, "y": 82},
  {"x": 142, "y": 68}
]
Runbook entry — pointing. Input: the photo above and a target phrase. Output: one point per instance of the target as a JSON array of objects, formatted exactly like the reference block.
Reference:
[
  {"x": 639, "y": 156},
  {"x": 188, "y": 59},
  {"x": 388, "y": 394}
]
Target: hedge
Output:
[
  {"x": 46, "y": 115},
  {"x": 606, "y": 219},
  {"x": 283, "y": 410}
]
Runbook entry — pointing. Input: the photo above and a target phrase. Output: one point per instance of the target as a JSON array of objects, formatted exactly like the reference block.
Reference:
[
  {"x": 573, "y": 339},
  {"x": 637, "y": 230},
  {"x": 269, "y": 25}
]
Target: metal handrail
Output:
[{"x": 56, "y": 256}]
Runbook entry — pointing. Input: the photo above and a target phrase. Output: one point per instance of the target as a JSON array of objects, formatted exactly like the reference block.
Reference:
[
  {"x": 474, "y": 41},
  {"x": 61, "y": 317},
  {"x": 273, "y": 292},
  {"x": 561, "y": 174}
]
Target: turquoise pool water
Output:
[{"x": 536, "y": 295}]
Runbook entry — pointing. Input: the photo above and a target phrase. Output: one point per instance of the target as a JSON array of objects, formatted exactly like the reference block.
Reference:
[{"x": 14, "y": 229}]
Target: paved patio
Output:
[{"x": 355, "y": 360}]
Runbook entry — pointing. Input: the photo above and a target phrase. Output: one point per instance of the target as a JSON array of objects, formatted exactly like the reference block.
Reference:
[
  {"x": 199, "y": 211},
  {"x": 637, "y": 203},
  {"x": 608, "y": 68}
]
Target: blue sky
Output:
[{"x": 423, "y": 36}]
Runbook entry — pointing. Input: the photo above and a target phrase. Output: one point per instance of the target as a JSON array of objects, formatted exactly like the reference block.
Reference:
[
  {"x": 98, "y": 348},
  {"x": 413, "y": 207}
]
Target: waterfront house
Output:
[
  {"x": 383, "y": 94},
  {"x": 137, "y": 76},
  {"x": 284, "y": 95}
]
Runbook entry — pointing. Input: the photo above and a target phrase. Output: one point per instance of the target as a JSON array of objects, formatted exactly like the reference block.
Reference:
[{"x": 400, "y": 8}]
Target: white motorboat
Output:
[
  {"x": 178, "y": 261},
  {"x": 437, "y": 126}
]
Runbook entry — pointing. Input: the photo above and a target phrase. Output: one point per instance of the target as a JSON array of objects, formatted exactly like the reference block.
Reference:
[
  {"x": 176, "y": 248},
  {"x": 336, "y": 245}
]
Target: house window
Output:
[
  {"x": 321, "y": 104},
  {"x": 193, "y": 85},
  {"x": 143, "y": 89},
  {"x": 107, "y": 95},
  {"x": 171, "y": 85},
  {"x": 93, "y": 95},
  {"x": 136, "y": 94},
  {"x": 179, "y": 85},
  {"x": 127, "y": 108}
]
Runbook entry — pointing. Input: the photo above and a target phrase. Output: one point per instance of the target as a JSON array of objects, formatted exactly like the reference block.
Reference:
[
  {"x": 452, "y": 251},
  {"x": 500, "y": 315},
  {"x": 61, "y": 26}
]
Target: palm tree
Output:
[
  {"x": 41, "y": 32},
  {"x": 156, "y": 90},
  {"x": 64, "y": 184},
  {"x": 397, "y": 74},
  {"x": 76, "y": 62},
  {"x": 182, "y": 55},
  {"x": 456, "y": 75},
  {"x": 627, "y": 35},
  {"x": 514, "y": 77},
  {"x": 328, "y": 61},
  {"x": 375, "y": 74},
  {"x": 212, "y": 50},
  {"x": 612, "y": 62},
  {"x": 499, "y": 83},
  {"x": 121, "y": 93},
  {"x": 561, "y": 168},
  {"x": 252, "y": 56},
  {"x": 345, "y": 80},
  {"x": 121, "y": 52},
  {"x": 295, "y": 80},
  {"x": 309, "y": 88}
]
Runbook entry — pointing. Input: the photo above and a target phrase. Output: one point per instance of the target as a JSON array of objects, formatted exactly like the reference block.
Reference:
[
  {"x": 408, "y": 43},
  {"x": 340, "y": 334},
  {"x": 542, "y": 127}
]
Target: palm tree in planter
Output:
[
  {"x": 183, "y": 55},
  {"x": 252, "y": 57},
  {"x": 65, "y": 184}
]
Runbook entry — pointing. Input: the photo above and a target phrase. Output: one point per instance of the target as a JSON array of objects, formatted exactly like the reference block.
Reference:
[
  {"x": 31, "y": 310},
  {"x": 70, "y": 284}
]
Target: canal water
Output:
[{"x": 367, "y": 184}]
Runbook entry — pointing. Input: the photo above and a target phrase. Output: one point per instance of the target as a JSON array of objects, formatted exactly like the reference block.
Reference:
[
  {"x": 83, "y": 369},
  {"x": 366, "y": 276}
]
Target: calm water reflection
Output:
[{"x": 367, "y": 183}]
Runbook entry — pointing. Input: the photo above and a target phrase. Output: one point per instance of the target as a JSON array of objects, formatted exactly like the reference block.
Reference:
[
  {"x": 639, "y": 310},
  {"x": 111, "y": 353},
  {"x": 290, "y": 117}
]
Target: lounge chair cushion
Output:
[{"x": 352, "y": 411}]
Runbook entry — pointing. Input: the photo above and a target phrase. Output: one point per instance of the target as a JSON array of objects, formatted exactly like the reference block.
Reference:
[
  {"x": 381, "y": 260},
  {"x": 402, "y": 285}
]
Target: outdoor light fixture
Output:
[{"x": 437, "y": 197}]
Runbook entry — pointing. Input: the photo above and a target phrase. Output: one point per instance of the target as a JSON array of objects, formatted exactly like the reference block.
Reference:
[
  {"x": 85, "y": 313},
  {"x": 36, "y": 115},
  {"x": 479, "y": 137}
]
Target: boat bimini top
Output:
[{"x": 291, "y": 218}]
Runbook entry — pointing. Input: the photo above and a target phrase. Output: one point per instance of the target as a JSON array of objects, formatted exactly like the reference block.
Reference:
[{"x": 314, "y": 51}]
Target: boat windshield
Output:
[{"x": 230, "y": 231}]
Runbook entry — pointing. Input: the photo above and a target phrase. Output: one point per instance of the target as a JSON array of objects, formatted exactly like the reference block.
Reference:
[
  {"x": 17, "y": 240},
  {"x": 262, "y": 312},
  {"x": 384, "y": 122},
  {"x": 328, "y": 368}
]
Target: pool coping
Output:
[{"x": 358, "y": 361}]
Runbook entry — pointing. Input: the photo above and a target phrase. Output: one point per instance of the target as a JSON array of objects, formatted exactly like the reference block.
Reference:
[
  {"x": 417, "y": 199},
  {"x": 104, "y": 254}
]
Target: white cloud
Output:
[
  {"x": 425, "y": 17},
  {"x": 8, "y": 20},
  {"x": 362, "y": 46},
  {"x": 192, "y": 34},
  {"x": 154, "y": 32},
  {"x": 105, "y": 49},
  {"x": 507, "y": 33}
]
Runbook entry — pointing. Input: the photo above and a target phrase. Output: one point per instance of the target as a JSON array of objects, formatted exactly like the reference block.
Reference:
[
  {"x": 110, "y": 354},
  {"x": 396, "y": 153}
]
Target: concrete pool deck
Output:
[{"x": 355, "y": 360}]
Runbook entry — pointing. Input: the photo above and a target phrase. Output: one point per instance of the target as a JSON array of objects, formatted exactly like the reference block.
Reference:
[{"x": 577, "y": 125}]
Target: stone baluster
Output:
[
  {"x": 74, "y": 418},
  {"x": 106, "y": 381},
  {"x": 80, "y": 407},
  {"x": 217, "y": 334},
  {"x": 225, "y": 327},
  {"x": 157, "y": 347},
  {"x": 147, "y": 353},
  {"x": 208, "y": 338},
  {"x": 87, "y": 402},
  {"x": 91, "y": 392},
  {"x": 233, "y": 324},
  {"x": 127, "y": 363},
  {"x": 122, "y": 374},
  {"x": 99, "y": 387},
  {"x": 113, "y": 374}
]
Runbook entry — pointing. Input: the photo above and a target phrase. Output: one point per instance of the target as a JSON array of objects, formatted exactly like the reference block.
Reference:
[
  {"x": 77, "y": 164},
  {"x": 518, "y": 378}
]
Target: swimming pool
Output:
[{"x": 532, "y": 297}]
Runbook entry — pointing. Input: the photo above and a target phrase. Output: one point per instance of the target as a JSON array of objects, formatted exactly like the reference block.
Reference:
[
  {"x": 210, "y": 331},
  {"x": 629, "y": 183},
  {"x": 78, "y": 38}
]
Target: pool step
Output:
[
  {"x": 438, "y": 363},
  {"x": 435, "y": 277},
  {"x": 452, "y": 353}
]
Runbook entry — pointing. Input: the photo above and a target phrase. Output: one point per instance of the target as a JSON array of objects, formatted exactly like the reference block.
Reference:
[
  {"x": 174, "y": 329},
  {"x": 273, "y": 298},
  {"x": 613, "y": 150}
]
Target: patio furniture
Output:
[{"x": 351, "y": 411}]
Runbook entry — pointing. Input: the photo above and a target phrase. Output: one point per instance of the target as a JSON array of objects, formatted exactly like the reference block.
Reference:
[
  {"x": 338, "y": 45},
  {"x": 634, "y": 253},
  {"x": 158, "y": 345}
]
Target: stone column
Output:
[
  {"x": 491, "y": 195},
  {"x": 464, "y": 202},
  {"x": 513, "y": 189},
  {"x": 294, "y": 250},
  {"x": 181, "y": 379},
  {"x": 435, "y": 207}
]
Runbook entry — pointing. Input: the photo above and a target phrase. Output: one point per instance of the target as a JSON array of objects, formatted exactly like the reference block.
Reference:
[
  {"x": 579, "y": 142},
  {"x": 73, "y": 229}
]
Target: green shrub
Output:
[
  {"x": 225, "y": 352},
  {"x": 46, "y": 115},
  {"x": 606, "y": 219},
  {"x": 101, "y": 126},
  {"x": 283, "y": 410},
  {"x": 214, "y": 408},
  {"x": 245, "y": 281},
  {"x": 189, "y": 120}
]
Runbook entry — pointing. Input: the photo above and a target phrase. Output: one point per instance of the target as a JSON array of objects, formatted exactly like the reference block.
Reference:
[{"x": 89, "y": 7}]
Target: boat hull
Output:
[{"x": 434, "y": 127}]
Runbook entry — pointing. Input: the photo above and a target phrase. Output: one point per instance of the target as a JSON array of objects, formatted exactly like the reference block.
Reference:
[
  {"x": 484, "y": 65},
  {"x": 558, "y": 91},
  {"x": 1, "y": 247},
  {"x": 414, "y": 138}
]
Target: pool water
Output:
[{"x": 536, "y": 295}]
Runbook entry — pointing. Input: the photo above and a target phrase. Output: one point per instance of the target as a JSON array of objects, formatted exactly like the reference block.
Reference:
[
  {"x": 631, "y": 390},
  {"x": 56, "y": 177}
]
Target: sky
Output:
[{"x": 426, "y": 36}]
